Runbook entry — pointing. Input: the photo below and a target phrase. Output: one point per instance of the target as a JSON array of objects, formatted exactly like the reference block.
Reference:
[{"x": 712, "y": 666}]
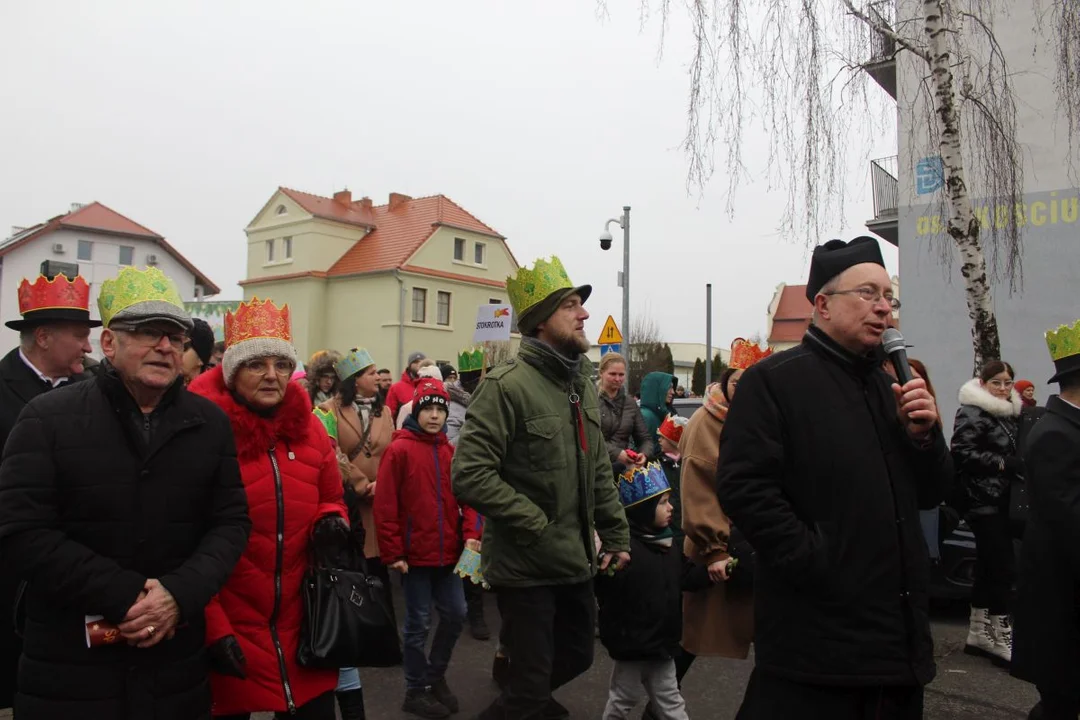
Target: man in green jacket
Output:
[{"x": 532, "y": 460}]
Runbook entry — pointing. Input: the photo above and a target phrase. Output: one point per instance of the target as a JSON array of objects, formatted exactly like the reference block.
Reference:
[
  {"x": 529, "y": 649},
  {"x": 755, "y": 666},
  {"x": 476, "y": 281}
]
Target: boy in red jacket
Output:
[{"x": 420, "y": 535}]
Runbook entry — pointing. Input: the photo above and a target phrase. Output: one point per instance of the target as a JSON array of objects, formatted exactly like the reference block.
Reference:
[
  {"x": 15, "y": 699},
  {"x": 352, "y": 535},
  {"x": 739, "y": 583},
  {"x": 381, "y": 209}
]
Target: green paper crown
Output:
[
  {"x": 470, "y": 360},
  {"x": 533, "y": 286},
  {"x": 357, "y": 359},
  {"x": 133, "y": 286},
  {"x": 1064, "y": 342}
]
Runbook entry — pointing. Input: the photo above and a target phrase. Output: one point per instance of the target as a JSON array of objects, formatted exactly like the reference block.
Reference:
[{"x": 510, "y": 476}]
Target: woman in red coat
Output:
[{"x": 293, "y": 485}]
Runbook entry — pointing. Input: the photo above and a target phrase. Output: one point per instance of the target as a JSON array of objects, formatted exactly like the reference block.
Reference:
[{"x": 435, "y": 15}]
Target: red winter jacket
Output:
[
  {"x": 310, "y": 487},
  {"x": 400, "y": 393},
  {"x": 417, "y": 516}
]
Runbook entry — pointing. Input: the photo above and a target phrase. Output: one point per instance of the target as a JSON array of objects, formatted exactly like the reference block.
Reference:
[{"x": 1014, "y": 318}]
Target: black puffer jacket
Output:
[
  {"x": 984, "y": 446},
  {"x": 621, "y": 422},
  {"x": 88, "y": 512}
]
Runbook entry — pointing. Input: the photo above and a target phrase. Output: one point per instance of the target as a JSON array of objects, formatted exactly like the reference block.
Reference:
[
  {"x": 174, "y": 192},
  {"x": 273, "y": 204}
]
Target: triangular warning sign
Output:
[{"x": 610, "y": 335}]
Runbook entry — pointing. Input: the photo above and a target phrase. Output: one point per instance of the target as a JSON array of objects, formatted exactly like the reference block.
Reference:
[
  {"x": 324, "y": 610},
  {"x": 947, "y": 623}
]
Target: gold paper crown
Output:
[
  {"x": 134, "y": 286},
  {"x": 1064, "y": 342},
  {"x": 471, "y": 360},
  {"x": 533, "y": 286},
  {"x": 257, "y": 319}
]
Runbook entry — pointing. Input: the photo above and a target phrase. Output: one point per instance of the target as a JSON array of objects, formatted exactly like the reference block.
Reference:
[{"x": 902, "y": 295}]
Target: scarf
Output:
[
  {"x": 363, "y": 409},
  {"x": 715, "y": 402},
  {"x": 651, "y": 536}
]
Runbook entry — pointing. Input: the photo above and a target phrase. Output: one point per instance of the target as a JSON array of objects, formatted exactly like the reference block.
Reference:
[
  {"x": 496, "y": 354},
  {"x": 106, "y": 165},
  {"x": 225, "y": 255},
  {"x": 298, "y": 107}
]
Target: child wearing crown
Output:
[{"x": 641, "y": 605}]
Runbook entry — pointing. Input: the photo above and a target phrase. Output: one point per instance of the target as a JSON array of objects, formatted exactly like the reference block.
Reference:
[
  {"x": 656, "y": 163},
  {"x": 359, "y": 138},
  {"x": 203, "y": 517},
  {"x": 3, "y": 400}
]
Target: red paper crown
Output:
[
  {"x": 672, "y": 428},
  {"x": 745, "y": 353},
  {"x": 257, "y": 319},
  {"x": 56, "y": 294}
]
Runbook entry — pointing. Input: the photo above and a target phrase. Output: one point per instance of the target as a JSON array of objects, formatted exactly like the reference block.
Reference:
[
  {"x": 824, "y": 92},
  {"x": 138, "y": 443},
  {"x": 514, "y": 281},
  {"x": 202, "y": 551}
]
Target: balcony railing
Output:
[
  {"x": 883, "y": 13},
  {"x": 883, "y": 174}
]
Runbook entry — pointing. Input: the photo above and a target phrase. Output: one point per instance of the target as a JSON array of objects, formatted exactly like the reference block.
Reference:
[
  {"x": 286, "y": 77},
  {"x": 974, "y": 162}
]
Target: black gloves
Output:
[
  {"x": 226, "y": 657},
  {"x": 330, "y": 534}
]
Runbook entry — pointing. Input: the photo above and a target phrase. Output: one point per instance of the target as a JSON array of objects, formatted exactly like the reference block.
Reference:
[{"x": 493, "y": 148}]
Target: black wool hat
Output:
[
  {"x": 836, "y": 256},
  {"x": 202, "y": 340}
]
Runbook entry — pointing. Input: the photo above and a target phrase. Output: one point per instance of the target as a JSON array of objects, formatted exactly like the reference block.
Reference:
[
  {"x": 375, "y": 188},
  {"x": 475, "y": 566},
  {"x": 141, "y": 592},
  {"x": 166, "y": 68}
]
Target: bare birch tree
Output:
[{"x": 808, "y": 56}]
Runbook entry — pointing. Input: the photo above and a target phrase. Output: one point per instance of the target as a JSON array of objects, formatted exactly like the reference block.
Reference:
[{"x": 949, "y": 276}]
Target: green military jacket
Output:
[{"x": 520, "y": 463}]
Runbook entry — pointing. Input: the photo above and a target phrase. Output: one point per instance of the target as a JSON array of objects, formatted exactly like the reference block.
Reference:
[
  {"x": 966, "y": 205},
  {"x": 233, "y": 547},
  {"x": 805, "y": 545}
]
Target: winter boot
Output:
[
  {"x": 1001, "y": 654},
  {"x": 474, "y": 598},
  {"x": 351, "y": 704},
  {"x": 980, "y": 639},
  {"x": 500, "y": 670},
  {"x": 422, "y": 702},
  {"x": 442, "y": 693}
]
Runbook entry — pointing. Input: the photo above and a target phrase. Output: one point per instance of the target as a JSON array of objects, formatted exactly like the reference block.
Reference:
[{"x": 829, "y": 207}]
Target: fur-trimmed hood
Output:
[
  {"x": 254, "y": 433},
  {"x": 973, "y": 393}
]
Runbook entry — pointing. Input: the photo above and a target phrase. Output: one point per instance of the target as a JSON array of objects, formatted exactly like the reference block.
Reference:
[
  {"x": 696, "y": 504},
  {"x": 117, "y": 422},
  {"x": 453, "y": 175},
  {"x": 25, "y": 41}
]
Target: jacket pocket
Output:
[{"x": 545, "y": 451}]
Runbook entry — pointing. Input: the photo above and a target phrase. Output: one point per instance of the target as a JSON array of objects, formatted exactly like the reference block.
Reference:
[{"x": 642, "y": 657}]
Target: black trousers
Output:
[
  {"x": 550, "y": 631},
  {"x": 995, "y": 562},
  {"x": 769, "y": 697},
  {"x": 320, "y": 708},
  {"x": 1055, "y": 706}
]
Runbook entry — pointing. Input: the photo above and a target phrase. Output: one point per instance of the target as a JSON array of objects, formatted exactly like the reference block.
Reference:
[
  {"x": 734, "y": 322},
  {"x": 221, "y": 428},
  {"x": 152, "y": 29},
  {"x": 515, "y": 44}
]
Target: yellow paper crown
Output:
[
  {"x": 258, "y": 319},
  {"x": 1064, "y": 342},
  {"x": 530, "y": 287},
  {"x": 133, "y": 286}
]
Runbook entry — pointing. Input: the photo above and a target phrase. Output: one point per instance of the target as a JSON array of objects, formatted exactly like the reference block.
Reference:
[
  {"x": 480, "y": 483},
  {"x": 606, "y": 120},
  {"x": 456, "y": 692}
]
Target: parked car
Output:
[{"x": 685, "y": 407}]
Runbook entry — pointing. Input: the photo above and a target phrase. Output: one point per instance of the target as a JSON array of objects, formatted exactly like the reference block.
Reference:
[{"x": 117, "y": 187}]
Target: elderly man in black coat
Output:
[
  {"x": 1046, "y": 640},
  {"x": 121, "y": 506},
  {"x": 824, "y": 464},
  {"x": 54, "y": 338}
]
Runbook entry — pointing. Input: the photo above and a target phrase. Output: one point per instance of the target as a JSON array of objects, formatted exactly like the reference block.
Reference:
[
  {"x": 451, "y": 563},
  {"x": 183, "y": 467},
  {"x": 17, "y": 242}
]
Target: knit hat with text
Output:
[{"x": 429, "y": 391}]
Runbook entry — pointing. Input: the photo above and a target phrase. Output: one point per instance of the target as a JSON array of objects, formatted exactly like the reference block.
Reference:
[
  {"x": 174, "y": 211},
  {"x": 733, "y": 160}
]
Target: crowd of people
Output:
[{"x": 159, "y": 511}]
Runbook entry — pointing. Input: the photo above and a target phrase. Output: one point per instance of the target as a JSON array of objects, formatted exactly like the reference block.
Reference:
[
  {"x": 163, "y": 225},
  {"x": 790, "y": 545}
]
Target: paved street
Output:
[{"x": 966, "y": 688}]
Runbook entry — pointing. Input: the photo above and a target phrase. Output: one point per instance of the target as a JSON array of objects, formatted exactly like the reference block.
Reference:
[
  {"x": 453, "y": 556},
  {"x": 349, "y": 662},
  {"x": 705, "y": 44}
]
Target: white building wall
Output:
[
  {"x": 25, "y": 262},
  {"x": 934, "y": 315}
]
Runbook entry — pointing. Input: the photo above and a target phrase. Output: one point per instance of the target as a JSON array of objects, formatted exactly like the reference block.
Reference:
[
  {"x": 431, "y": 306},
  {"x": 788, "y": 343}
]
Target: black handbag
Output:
[{"x": 348, "y": 619}]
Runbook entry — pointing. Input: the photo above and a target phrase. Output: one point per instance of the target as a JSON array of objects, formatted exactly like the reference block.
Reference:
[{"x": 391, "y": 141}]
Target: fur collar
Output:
[
  {"x": 256, "y": 434},
  {"x": 973, "y": 393}
]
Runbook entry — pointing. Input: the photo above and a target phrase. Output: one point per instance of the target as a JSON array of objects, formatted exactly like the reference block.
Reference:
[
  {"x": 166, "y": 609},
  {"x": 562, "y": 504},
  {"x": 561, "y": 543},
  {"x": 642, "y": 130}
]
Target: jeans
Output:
[
  {"x": 320, "y": 708},
  {"x": 424, "y": 587},
  {"x": 657, "y": 678},
  {"x": 995, "y": 562},
  {"x": 550, "y": 633},
  {"x": 348, "y": 679}
]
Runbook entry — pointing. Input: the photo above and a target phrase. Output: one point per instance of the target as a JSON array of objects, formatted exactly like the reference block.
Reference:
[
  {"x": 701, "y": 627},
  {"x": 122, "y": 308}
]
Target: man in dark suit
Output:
[
  {"x": 1046, "y": 641},
  {"x": 54, "y": 337}
]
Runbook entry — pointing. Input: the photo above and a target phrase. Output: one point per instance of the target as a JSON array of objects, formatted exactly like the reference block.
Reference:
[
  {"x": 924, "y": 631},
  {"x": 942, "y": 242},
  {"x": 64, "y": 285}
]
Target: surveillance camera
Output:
[{"x": 605, "y": 241}]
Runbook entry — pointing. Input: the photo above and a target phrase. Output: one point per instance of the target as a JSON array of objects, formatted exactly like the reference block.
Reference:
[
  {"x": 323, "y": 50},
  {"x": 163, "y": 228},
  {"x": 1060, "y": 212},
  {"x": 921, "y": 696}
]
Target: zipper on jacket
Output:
[
  {"x": 439, "y": 501},
  {"x": 279, "y": 560}
]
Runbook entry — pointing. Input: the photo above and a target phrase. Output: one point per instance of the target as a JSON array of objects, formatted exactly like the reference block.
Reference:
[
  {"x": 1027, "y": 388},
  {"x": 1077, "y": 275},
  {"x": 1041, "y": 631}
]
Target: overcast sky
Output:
[{"x": 535, "y": 115}]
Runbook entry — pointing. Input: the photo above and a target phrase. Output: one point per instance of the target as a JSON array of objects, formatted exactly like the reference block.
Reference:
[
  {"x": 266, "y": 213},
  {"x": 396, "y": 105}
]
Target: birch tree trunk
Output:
[{"x": 963, "y": 227}]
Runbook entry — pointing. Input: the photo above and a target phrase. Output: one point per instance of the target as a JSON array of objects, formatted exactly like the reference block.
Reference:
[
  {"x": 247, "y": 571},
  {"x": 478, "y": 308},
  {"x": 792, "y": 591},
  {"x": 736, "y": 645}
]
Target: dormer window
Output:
[{"x": 281, "y": 210}]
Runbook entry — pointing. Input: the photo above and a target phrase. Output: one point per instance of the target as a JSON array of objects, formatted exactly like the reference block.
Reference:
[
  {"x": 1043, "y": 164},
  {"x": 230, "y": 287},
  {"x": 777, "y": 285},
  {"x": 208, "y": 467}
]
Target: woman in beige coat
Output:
[{"x": 720, "y": 620}]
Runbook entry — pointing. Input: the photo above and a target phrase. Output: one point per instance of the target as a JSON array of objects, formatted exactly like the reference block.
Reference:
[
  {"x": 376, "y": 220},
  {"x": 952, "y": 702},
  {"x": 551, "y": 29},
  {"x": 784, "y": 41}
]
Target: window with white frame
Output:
[
  {"x": 127, "y": 255},
  {"x": 269, "y": 251},
  {"x": 419, "y": 305},
  {"x": 459, "y": 249},
  {"x": 86, "y": 250},
  {"x": 443, "y": 317},
  {"x": 286, "y": 248},
  {"x": 478, "y": 253}
]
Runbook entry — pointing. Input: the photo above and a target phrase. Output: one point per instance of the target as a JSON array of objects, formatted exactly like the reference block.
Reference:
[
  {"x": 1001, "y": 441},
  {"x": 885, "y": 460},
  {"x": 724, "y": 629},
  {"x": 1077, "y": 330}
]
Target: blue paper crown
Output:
[
  {"x": 358, "y": 359},
  {"x": 641, "y": 484}
]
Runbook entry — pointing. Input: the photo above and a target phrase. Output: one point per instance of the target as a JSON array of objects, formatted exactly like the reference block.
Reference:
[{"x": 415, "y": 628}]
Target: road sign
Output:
[
  {"x": 610, "y": 335},
  {"x": 614, "y": 348}
]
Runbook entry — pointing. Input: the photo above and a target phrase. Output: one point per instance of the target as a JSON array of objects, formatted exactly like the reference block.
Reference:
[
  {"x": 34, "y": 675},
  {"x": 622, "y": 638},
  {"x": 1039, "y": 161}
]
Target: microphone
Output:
[{"x": 893, "y": 344}]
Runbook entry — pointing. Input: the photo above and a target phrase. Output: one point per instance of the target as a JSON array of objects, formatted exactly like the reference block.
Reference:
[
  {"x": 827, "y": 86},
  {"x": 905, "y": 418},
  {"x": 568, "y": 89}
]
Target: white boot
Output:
[
  {"x": 980, "y": 639},
  {"x": 1003, "y": 640}
]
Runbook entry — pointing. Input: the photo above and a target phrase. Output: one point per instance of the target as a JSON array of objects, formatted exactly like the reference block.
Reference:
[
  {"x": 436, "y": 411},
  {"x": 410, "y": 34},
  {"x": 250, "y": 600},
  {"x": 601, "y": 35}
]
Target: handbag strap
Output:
[{"x": 364, "y": 435}]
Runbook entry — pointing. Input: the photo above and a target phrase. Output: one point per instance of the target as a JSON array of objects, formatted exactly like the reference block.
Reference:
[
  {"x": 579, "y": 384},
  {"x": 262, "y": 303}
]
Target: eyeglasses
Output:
[
  {"x": 148, "y": 335},
  {"x": 1000, "y": 384},
  {"x": 869, "y": 295},
  {"x": 264, "y": 366}
]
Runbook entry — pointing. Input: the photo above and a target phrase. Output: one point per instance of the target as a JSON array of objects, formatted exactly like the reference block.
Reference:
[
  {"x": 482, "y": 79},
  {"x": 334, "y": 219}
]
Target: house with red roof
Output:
[
  {"x": 395, "y": 278},
  {"x": 97, "y": 240}
]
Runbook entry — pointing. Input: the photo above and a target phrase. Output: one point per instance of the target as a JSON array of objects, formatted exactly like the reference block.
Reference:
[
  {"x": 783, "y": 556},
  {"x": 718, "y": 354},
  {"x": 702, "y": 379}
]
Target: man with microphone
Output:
[{"x": 824, "y": 464}]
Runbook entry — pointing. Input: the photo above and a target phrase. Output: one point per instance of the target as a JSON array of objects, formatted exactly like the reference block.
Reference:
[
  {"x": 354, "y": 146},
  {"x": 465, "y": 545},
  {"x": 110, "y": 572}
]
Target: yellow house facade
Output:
[{"x": 396, "y": 278}]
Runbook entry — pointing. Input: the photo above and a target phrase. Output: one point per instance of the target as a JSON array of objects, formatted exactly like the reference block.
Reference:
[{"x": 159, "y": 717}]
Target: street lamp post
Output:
[{"x": 624, "y": 276}]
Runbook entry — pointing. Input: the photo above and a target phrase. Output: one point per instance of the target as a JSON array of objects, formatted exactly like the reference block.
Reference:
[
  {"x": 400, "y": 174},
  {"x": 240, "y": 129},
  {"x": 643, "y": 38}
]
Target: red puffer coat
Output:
[
  {"x": 266, "y": 623},
  {"x": 418, "y": 518}
]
